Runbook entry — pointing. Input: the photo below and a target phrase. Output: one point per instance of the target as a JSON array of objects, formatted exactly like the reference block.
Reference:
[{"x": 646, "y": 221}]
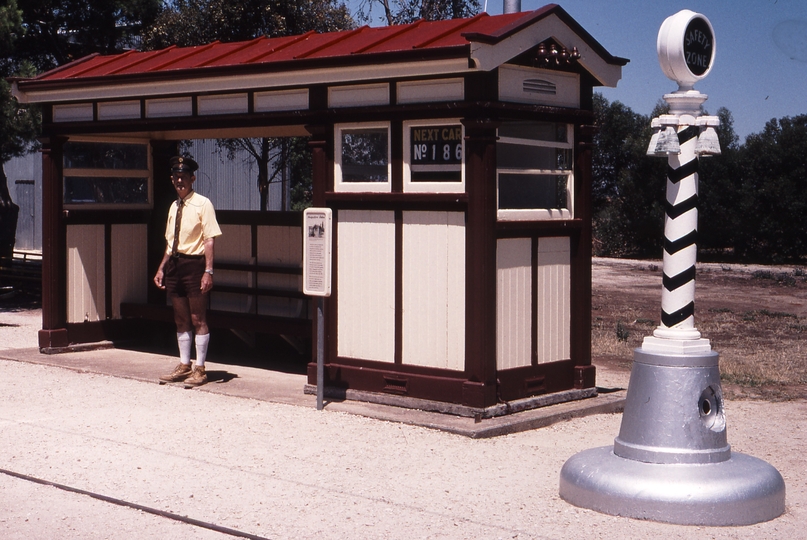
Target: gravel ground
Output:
[{"x": 278, "y": 471}]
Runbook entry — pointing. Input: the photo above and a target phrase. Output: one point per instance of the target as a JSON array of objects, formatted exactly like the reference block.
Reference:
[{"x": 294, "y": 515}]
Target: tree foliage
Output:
[
  {"x": 628, "y": 186},
  {"x": 752, "y": 197},
  {"x": 196, "y": 22},
  {"x": 59, "y": 31},
  {"x": 407, "y": 11},
  {"x": 773, "y": 183}
]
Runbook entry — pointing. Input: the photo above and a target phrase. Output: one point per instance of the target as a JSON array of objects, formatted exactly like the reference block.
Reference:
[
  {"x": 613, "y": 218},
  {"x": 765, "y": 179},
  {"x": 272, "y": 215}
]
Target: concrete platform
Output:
[{"x": 286, "y": 383}]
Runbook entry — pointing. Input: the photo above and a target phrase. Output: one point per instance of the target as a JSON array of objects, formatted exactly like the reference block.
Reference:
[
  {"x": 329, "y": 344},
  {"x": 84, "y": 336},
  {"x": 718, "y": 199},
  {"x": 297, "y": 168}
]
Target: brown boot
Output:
[
  {"x": 180, "y": 373},
  {"x": 197, "y": 378}
]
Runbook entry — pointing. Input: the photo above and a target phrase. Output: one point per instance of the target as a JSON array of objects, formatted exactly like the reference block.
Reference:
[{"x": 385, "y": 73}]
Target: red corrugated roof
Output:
[{"x": 353, "y": 44}]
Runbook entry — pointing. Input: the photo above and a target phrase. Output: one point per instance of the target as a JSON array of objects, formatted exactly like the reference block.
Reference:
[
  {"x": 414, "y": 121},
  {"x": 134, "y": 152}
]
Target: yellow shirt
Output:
[{"x": 198, "y": 224}]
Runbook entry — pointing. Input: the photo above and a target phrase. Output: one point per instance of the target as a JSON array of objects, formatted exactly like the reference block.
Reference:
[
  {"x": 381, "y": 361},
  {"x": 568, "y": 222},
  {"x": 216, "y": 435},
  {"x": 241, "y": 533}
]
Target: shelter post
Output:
[
  {"x": 54, "y": 291},
  {"x": 480, "y": 356}
]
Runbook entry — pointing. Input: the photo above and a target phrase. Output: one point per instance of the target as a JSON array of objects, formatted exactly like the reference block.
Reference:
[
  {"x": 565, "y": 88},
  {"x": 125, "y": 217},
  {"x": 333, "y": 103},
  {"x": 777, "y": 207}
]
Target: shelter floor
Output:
[{"x": 279, "y": 376}]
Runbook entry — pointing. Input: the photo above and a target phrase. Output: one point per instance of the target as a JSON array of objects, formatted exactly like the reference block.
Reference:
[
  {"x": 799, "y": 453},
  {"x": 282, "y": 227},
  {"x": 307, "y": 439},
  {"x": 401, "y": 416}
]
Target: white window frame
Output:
[
  {"x": 360, "y": 187},
  {"x": 535, "y": 214},
  {"x": 112, "y": 173},
  {"x": 430, "y": 187}
]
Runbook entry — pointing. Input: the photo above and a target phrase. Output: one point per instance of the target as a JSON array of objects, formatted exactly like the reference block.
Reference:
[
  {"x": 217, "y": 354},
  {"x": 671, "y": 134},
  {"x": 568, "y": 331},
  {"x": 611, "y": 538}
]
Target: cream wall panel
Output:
[
  {"x": 118, "y": 110},
  {"x": 233, "y": 246},
  {"x": 85, "y": 273},
  {"x": 223, "y": 104},
  {"x": 130, "y": 277},
  {"x": 366, "y": 284},
  {"x": 288, "y": 100},
  {"x": 157, "y": 108},
  {"x": 280, "y": 246},
  {"x": 359, "y": 95},
  {"x": 554, "y": 299},
  {"x": 434, "y": 289},
  {"x": 80, "y": 112},
  {"x": 431, "y": 90},
  {"x": 513, "y": 303}
]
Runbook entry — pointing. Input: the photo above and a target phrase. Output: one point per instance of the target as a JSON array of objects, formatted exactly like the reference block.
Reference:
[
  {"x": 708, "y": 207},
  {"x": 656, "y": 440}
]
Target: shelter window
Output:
[
  {"x": 434, "y": 160},
  {"x": 362, "y": 156},
  {"x": 102, "y": 175},
  {"x": 534, "y": 170}
]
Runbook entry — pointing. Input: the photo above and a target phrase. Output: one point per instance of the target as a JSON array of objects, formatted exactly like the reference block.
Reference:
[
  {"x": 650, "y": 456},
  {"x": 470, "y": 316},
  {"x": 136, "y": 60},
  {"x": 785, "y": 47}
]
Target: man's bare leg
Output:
[
  {"x": 198, "y": 307},
  {"x": 182, "y": 318}
]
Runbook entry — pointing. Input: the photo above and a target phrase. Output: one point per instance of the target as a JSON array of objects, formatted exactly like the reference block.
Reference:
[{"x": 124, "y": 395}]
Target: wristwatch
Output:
[{"x": 209, "y": 271}]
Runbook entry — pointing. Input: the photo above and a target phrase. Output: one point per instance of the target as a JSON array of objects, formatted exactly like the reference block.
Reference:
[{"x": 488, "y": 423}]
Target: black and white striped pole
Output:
[{"x": 671, "y": 461}]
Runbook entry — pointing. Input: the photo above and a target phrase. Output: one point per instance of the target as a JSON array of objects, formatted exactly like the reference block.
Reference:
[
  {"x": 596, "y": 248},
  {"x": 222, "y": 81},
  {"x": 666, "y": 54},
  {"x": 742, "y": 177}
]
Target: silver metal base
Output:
[{"x": 742, "y": 490}]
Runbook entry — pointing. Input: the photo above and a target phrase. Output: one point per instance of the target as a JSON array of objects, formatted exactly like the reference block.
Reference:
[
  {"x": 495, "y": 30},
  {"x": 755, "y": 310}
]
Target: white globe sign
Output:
[{"x": 686, "y": 47}]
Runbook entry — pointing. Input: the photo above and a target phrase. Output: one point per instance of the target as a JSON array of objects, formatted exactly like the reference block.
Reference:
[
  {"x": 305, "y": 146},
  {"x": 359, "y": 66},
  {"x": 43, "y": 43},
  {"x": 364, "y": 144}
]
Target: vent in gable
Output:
[{"x": 539, "y": 86}]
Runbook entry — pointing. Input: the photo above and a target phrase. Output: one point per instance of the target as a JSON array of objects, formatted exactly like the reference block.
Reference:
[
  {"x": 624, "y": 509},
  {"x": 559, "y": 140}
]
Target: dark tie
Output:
[{"x": 180, "y": 204}]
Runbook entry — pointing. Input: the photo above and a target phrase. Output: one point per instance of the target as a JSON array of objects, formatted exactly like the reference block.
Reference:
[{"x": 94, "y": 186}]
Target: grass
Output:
[{"x": 762, "y": 350}]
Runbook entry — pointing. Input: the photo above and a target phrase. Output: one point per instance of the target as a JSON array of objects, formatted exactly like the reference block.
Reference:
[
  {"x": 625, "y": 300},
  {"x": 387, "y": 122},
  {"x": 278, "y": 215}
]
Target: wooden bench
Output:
[
  {"x": 249, "y": 322},
  {"x": 267, "y": 324}
]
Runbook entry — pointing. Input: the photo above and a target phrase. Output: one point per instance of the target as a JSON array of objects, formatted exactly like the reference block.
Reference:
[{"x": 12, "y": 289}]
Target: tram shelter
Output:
[{"x": 455, "y": 155}]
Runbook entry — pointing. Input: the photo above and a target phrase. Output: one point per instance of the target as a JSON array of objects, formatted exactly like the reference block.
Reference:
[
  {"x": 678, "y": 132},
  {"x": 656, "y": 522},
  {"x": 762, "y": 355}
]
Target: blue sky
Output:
[{"x": 760, "y": 66}]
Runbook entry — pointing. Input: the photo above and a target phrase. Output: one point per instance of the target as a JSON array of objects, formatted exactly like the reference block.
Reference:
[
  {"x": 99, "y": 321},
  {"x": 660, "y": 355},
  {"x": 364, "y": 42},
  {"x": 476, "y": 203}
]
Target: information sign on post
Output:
[
  {"x": 317, "y": 230},
  {"x": 317, "y": 226}
]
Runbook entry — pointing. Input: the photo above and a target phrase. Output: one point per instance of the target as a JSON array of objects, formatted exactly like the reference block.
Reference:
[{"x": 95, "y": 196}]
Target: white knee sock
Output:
[
  {"x": 184, "y": 342},
  {"x": 201, "y": 348}
]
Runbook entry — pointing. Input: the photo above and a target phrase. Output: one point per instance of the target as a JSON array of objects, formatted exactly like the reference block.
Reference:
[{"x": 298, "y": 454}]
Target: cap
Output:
[{"x": 183, "y": 164}]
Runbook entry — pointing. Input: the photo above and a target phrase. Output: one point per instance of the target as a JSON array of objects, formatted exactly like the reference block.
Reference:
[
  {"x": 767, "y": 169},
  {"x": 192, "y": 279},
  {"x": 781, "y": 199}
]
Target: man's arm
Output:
[
  {"x": 158, "y": 277},
  {"x": 207, "y": 279}
]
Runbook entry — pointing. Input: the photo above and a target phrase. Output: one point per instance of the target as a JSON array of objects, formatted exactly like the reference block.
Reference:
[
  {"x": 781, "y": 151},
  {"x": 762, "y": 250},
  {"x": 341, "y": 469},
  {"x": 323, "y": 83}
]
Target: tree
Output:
[
  {"x": 628, "y": 185},
  {"x": 59, "y": 31},
  {"x": 196, "y": 22},
  {"x": 38, "y": 35},
  {"x": 407, "y": 11},
  {"x": 719, "y": 195},
  {"x": 773, "y": 165},
  {"x": 18, "y": 125}
]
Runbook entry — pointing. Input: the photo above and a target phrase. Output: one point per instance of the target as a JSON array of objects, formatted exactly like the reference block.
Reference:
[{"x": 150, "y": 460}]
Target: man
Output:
[{"x": 186, "y": 270}]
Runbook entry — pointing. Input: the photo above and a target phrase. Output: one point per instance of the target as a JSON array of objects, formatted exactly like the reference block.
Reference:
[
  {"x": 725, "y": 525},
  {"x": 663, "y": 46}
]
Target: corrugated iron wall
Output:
[
  {"x": 25, "y": 187},
  {"x": 230, "y": 185}
]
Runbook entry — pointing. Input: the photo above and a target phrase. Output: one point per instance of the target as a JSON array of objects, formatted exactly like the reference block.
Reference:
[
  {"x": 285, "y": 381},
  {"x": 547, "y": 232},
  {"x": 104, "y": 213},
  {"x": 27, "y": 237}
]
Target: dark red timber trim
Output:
[
  {"x": 534, "y": 302},
  {"x": 523, "y": 382},
  {"x": 399, "y": 263},
  {"x": 380, "y": 377},
  {"x": 581, "y": 262},
  {"x": 321, "y": 145},
  {"x": 108, "y": 330},
  {"x": 480, "y": 263},
  {"x": 54, "y": 250},
  {"x": 108, "y": 277}
]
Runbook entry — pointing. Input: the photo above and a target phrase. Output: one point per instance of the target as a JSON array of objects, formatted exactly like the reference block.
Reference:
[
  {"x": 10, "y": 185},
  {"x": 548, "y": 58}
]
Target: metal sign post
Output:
[
  {"x": 671, "y": 461},
  {"x": 317, "y": 244}
]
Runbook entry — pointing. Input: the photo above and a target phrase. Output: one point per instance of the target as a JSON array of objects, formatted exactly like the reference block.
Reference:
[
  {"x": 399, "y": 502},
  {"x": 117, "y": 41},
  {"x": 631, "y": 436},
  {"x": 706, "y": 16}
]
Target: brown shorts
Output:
[{"x": 183, "y": 276}]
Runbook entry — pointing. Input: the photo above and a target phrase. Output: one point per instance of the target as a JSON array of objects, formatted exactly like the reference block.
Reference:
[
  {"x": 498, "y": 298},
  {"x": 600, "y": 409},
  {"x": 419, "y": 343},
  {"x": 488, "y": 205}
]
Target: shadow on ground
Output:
[{"x": 253, "y": 350}]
